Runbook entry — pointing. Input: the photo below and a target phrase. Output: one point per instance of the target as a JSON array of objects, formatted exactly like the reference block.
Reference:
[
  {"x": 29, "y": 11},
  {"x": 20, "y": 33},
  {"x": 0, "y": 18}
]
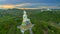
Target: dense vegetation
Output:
[{"x": 46, "y": 22}]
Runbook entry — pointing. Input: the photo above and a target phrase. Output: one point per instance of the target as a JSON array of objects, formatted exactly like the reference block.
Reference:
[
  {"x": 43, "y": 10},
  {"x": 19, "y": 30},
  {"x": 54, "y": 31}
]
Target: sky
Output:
[{"x": 30, "y": 3}]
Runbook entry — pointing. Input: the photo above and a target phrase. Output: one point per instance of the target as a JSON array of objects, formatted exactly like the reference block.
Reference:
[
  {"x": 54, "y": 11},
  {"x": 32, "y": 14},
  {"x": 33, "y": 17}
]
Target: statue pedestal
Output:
[{"x": 24, "y": 28}]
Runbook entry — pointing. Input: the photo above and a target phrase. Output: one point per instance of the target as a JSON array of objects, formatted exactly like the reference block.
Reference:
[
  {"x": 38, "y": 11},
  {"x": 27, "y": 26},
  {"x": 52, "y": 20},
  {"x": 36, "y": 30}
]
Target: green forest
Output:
[{"x": 46, "y": 22}]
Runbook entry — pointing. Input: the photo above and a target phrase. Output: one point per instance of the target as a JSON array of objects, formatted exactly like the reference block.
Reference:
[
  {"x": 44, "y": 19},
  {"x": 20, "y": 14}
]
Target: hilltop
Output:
[{"x": 46, "y": 22}]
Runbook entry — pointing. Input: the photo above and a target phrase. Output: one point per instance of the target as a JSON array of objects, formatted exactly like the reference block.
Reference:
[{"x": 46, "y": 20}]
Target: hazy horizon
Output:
[{"x": 30, "y": 4}]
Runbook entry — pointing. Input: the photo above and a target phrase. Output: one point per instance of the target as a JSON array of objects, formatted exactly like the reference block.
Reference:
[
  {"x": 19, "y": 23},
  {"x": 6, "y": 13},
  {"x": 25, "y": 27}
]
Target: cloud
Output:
[
  {"x": 23, "y": 4},
  {"x": 7, "y": 6},
  {"x": 48, "y": 7},
  {"x": 28, "y": 5},
  {"x": 15, "y": 6}
]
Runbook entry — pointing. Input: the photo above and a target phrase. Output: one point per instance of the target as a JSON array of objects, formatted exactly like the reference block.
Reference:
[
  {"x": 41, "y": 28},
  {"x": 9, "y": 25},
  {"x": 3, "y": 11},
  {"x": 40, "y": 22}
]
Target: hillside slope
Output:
[{"x": 46, "y": 22}]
